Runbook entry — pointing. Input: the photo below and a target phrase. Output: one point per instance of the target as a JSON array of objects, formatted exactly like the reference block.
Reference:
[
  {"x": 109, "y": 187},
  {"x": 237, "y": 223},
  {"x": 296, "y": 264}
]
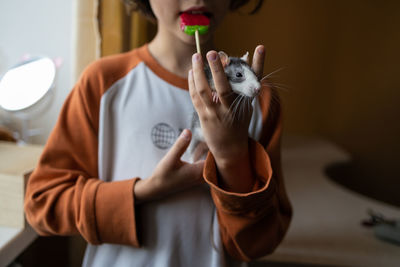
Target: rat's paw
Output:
[{"x": 215, "y": 97}]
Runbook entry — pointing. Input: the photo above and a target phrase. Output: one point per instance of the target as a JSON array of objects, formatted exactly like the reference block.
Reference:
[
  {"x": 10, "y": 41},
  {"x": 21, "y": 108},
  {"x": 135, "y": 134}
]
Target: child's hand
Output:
[
  {"x": 171, "y": 174},
  {"x": 226, "y": 135},
  {"x": 200, "y": 152}
]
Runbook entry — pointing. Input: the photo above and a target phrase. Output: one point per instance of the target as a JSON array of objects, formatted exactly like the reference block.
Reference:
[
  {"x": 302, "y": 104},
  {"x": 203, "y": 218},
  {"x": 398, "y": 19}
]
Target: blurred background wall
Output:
[
  {"x": 341, "y": 66},
  {"x": 67, "y": 30},
  {"x": 39, "y": 28}
]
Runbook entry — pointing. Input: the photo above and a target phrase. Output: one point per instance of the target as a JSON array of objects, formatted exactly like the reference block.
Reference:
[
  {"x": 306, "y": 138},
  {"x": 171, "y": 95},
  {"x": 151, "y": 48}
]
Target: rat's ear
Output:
[
  {"x": 245, "y": 57},
  {"x": 224, "y": 58}
]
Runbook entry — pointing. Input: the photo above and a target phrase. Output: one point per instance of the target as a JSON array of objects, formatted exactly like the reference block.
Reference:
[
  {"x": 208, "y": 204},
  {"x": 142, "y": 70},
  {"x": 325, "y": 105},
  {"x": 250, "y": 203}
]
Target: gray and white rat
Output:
[{"x": 244, "y": 84}]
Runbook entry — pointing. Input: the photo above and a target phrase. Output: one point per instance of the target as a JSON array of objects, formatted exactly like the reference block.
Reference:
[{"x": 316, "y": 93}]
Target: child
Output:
[{"x": 122, "y": 121}]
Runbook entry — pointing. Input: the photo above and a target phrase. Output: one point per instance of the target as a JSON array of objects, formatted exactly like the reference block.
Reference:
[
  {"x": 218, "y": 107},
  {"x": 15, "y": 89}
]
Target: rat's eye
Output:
[{"x": 239, "y": 75}]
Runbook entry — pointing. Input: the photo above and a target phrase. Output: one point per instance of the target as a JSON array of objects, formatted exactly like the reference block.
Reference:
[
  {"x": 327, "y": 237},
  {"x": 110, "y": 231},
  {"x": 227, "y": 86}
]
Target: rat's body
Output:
[{"x": 244, "y": 84}]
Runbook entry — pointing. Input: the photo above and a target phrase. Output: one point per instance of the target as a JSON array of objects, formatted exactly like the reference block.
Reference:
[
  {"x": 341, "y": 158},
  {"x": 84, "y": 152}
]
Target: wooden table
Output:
[
  {"x": 326, "y": 229},
  {"x": 15, "y": 234}
]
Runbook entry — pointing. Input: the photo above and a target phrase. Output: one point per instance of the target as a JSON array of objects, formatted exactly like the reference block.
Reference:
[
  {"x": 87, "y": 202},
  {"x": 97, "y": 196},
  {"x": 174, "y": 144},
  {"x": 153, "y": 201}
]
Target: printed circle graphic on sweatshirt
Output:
[{"x": 163, "y": 135}]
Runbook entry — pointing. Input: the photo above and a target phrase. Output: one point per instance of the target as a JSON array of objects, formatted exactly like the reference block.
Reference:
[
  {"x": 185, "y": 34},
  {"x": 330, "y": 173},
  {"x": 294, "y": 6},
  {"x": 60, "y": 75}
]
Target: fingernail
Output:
[
  {"x": 196, "y": 57},
  {"x": 190, "y": 73},
  {"x": 261, "y": 50},
  {"x": 185, "y": 134},
  {"x": 212, "y": 56}
]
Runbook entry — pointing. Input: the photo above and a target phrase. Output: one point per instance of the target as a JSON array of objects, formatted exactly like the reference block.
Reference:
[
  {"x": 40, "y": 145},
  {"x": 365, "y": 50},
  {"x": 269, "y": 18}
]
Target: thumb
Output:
[{"x": 180, "y": 146}]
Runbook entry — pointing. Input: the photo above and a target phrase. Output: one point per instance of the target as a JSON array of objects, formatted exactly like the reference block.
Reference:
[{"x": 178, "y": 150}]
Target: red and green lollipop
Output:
[{"x": 194, "y": 24}]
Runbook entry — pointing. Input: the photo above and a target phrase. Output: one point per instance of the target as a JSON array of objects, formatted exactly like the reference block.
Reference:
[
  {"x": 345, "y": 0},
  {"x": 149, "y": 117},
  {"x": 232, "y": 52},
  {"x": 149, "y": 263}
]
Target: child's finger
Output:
[
  {"x": 200, "y": 80},
  {"x": 179, "y": 147},
  {"x": 258, "y": 61},
  {"x": 221, "y": 82},
  {"x": 197, "y": 103}
]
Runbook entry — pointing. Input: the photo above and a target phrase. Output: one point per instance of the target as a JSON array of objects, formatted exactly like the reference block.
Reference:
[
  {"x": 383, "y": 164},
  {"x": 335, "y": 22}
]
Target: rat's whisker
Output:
[
  {"x": 233, "y": 104},
  {"x": 228, "y": 116},
  {"x": 236, "y": 111},
  {"x": 237, "y": 104},
  {"x": 249, "y": 100},
  {"x": 282, "y": 87},
  {"x": 270, "y": 74},
  {"x": 245, "y": 107},
  {"x": 242, "y": 108}
]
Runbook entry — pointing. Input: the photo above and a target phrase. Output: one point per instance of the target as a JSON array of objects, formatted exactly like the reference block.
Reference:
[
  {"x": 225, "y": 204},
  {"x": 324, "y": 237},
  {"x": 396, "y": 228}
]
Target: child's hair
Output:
[{"x": 144, "y": 7}]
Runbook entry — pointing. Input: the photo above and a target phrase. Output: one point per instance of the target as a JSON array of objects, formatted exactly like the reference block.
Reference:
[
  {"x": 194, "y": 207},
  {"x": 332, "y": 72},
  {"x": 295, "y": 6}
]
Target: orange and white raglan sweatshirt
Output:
[{"x": 120, "y": 119}]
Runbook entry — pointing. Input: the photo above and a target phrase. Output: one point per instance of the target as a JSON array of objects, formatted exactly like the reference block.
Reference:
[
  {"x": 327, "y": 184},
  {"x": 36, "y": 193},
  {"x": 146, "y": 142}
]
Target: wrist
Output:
[
  {"x": 232, "y": 156},
  {"x": 145, "y": 190},
  {"x": 235, "y": 174}
]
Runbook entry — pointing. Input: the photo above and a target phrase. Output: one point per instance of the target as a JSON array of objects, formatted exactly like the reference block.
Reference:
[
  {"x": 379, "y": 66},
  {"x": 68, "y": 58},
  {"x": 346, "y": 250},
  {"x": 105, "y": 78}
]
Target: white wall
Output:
[{"x": 40, "y": 27}]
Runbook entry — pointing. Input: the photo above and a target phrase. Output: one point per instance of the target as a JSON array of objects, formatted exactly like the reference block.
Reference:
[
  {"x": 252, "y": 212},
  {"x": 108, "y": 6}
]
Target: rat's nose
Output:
[{"x": 256, "y": 89}]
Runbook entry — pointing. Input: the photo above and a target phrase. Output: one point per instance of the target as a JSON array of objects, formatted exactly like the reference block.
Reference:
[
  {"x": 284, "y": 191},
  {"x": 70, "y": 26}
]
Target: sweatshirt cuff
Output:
[
  {"x": 239, "y": 203},
  {"x": 115, "y": 213}
]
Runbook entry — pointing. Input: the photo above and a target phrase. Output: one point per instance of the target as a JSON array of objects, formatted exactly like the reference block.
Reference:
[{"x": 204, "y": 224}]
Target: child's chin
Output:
[{"x": 190, "y": 39}]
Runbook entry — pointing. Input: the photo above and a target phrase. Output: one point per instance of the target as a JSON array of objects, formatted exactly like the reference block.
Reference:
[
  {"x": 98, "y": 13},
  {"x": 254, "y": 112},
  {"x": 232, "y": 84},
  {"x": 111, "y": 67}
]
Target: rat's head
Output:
[{"x": 241, "y": 77}]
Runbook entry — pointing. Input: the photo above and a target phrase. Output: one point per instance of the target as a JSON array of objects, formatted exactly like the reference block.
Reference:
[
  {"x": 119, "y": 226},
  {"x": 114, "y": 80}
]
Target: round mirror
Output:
[{"x": 25, "y": 84}]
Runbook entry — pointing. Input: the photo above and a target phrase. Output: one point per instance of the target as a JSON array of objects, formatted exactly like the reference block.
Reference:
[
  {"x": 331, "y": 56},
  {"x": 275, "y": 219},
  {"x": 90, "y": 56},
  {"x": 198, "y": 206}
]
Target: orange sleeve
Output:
[
  {"x": 253, "y": 224},
  {"x": 64, "y": 195}
]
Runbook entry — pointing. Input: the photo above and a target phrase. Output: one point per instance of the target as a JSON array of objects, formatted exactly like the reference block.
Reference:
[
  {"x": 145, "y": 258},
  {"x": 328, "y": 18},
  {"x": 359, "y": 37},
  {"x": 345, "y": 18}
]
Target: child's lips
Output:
[{"x": 197, "y": 11}]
